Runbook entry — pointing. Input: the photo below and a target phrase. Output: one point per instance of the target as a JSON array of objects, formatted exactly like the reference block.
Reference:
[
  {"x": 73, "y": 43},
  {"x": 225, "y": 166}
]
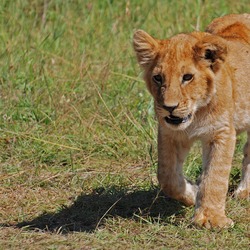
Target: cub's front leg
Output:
[
  {"x": 172, "y": 152},
  {"x": 217, "y": 159}
]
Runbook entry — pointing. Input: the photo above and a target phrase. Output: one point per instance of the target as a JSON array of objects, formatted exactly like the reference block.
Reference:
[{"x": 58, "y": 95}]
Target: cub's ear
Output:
[
  {"x": 213, "y": 52},
  {"x": 146, "y": 47}
]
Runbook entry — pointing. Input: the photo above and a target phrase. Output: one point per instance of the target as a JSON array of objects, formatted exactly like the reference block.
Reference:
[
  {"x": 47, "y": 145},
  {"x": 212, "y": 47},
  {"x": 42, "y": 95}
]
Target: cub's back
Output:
[
  {"x": 232, "y": 27},
  {"x": 235, "y": 29}
]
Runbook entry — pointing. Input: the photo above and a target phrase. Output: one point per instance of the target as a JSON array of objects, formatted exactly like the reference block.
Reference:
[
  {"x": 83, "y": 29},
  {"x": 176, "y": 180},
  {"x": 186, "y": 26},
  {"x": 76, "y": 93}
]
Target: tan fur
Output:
[{"x": 203, "y": 93}]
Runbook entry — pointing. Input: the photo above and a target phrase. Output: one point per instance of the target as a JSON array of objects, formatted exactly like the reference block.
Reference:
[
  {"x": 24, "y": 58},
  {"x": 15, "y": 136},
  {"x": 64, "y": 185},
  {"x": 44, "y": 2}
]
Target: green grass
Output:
[{"x": 78, "y": 134}]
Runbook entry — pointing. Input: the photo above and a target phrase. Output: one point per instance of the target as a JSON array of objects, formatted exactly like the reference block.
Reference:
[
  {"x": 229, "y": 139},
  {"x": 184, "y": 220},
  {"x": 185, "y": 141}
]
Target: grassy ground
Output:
[{"x": 78, "y": 137}]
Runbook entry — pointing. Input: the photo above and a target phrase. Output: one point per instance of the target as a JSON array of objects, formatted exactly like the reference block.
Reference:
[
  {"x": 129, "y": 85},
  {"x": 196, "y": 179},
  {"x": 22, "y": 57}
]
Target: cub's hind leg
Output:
[
  {"x": 171, "y": 154},
  {"x": 243, "y": 191}
]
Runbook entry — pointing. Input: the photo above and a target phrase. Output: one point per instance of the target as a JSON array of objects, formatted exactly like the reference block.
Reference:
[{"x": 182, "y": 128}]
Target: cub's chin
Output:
[{"x": 178, "y": 123}]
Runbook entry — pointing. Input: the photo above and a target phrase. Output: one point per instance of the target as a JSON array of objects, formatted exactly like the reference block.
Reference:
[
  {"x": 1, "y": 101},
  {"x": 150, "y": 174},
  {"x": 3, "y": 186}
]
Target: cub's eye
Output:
[
  {"x": 187, "y": 77},
  {"x": 158, "y": 79}
]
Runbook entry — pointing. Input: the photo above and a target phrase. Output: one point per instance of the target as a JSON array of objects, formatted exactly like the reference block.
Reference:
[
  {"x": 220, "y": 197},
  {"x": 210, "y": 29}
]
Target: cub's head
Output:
[{"x": 180, "y": 73}]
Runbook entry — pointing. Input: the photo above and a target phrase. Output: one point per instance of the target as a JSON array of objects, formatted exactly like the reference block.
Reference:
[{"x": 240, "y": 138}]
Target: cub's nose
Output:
[{"x": 170, "y": 109}]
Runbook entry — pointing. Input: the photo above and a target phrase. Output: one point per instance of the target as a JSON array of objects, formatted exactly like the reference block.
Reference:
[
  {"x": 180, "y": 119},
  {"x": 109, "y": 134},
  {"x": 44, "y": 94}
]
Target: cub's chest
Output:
[{"x": 207, "y": 123}]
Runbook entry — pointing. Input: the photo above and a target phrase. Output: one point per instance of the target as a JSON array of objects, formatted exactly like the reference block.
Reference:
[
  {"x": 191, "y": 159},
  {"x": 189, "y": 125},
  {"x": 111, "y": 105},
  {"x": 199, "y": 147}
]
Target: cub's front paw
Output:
[
  {"x": 189, "y": 195},
  {"x": 212, "y": 220}
]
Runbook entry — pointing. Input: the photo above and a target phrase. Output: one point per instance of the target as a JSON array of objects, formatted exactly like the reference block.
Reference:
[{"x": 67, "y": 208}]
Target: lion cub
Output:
[{"x": 201, "y": 88}]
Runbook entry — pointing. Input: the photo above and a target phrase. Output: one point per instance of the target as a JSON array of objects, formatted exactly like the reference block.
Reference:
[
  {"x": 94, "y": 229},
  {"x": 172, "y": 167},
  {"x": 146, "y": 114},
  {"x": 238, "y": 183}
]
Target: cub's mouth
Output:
[{"x": 177, "y": 120}]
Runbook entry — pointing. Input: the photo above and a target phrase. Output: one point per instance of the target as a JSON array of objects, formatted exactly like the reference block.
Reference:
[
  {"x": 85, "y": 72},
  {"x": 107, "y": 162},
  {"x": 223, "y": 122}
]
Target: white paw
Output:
[{"x": 242, "y": 192}]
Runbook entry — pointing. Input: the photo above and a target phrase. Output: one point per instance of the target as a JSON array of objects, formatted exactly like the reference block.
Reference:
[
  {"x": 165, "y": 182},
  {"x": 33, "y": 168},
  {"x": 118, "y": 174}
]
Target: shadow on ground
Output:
[{"x": 90, "y": 211}]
